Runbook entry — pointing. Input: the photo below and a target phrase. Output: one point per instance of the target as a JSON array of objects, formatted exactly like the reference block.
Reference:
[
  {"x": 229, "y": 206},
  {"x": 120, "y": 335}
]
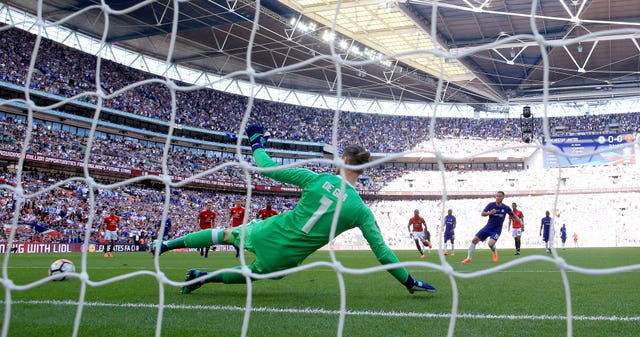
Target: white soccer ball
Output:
[{"x": 61, "y": 266}]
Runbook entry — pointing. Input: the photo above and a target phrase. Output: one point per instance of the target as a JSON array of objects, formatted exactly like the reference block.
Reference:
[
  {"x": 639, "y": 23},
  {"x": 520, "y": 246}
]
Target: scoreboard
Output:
[{"x": 579, "y": 150}]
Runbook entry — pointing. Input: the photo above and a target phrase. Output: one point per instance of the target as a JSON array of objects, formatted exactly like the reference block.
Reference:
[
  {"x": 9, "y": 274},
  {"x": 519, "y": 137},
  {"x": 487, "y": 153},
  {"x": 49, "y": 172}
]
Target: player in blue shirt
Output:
[
  {"x": 497, "y": 212},
  {"x": 449, "y": 235},
  {"x": 563, "y": 235},
  {"x": 545, "y": 228},
  {"x": 167, "y": 229}
]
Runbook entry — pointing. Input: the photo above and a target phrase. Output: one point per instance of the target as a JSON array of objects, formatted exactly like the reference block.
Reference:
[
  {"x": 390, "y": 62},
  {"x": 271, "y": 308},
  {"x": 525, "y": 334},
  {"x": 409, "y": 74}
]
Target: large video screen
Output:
[{"x": 579, "y": 149}]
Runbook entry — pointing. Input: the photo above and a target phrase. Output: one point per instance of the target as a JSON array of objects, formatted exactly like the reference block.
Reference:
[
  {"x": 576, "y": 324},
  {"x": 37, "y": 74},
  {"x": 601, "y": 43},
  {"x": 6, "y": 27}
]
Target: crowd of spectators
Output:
[
  {"x": 66, "y": 210},
  {"x": 128, "y": 153},
  {"x": 132, "y": 154},
  {"x": 66, "y": 72},
  {"x": 579, "y": 178},
  {"x": 581, "y": 213}
]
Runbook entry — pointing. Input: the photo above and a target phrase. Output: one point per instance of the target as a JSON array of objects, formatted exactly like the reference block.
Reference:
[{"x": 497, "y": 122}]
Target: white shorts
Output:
[
  {"x": 111, "y": 235},
  {"x": 418, "y": 236},
  {"x": 516, "y": 232}
]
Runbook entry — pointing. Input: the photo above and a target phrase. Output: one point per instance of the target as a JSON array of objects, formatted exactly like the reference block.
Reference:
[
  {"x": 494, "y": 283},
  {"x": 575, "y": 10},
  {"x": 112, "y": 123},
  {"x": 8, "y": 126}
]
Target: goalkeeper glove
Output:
[
  {"x": 257, "y": 136},
  {"x": 413, "y": 285}
]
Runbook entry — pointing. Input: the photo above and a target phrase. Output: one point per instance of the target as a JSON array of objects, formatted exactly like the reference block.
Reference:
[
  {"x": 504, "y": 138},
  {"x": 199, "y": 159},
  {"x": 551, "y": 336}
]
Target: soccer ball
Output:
[{"x": 61, "y": 266}]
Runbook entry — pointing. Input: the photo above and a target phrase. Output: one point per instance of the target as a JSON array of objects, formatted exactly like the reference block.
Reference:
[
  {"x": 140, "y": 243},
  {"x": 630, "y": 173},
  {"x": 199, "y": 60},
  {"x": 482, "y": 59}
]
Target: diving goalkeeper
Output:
[{"x": 285, "y": 240}]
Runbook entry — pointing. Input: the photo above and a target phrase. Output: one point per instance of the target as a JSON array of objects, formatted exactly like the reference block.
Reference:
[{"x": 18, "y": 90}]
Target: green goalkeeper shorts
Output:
[{"x": 270, "y": 246}]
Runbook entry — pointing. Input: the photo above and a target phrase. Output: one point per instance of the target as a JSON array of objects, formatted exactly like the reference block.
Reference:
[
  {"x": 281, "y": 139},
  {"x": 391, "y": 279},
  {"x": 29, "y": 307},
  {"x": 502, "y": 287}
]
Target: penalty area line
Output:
[{"x": 335, "y": 312}]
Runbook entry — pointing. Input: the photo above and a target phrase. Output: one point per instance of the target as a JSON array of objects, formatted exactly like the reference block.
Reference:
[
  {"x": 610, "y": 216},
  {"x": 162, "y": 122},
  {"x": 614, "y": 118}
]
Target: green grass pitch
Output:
[{"x": 524, "y": 300}]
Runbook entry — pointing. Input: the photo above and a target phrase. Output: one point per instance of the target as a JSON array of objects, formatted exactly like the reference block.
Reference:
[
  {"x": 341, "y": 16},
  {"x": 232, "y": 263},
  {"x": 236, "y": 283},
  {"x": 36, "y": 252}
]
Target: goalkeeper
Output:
[{"x": 285, "y": 240}]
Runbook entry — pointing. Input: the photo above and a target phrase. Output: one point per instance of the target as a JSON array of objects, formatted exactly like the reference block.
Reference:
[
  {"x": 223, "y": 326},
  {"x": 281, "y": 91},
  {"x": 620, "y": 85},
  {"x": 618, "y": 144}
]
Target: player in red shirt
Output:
[
  {"x": 110, "y": 228},
  {"x": 266, "y": 212},
  {"x": 236, "y": 216},
  {"x": 418, "y": 232},
  {"x": 206, "y": 220},
  {"x": 516, "y": 227}
]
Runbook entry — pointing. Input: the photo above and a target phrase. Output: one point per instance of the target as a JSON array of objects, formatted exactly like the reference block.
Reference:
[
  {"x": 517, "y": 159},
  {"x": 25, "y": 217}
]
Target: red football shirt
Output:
[
  {"x": 111, "y": 222},
  {"x": 266, "y": 213},
  {"x": 417, "y": 222},
  {"x": 207, "y": 218},
  {"x": 515, "y": 223},
  {"x": 237, "y": 215}
]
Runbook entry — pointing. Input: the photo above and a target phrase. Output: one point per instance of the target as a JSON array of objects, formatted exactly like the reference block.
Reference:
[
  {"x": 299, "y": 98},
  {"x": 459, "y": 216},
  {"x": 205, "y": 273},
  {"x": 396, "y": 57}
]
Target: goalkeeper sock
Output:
[
  {"x": 227, "y": 278},
  {"x": 200, "y": 239},
  {"x": 233, "y": 278}
]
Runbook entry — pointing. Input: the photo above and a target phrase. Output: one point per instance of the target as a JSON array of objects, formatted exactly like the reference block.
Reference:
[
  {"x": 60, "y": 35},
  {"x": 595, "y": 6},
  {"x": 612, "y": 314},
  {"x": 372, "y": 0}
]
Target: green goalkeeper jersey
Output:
[{"x": 285, "y": 240}]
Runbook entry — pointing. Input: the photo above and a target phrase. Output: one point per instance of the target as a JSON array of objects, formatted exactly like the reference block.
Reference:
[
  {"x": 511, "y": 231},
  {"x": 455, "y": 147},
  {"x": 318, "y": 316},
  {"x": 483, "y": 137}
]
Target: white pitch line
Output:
[{"x": 335, "y": 312}]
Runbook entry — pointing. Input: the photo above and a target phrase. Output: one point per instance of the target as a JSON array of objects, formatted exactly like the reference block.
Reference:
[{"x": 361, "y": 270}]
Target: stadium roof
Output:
[{"x": 497, "y": 57}]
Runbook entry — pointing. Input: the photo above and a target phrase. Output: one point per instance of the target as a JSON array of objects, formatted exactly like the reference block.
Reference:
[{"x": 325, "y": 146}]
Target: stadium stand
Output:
[{"x": 62, "y": 73}]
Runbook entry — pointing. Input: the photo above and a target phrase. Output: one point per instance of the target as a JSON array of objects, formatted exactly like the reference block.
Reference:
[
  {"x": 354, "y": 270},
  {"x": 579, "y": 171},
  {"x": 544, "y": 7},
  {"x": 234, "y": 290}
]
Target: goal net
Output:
[{"x": 49, "y": 81}]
